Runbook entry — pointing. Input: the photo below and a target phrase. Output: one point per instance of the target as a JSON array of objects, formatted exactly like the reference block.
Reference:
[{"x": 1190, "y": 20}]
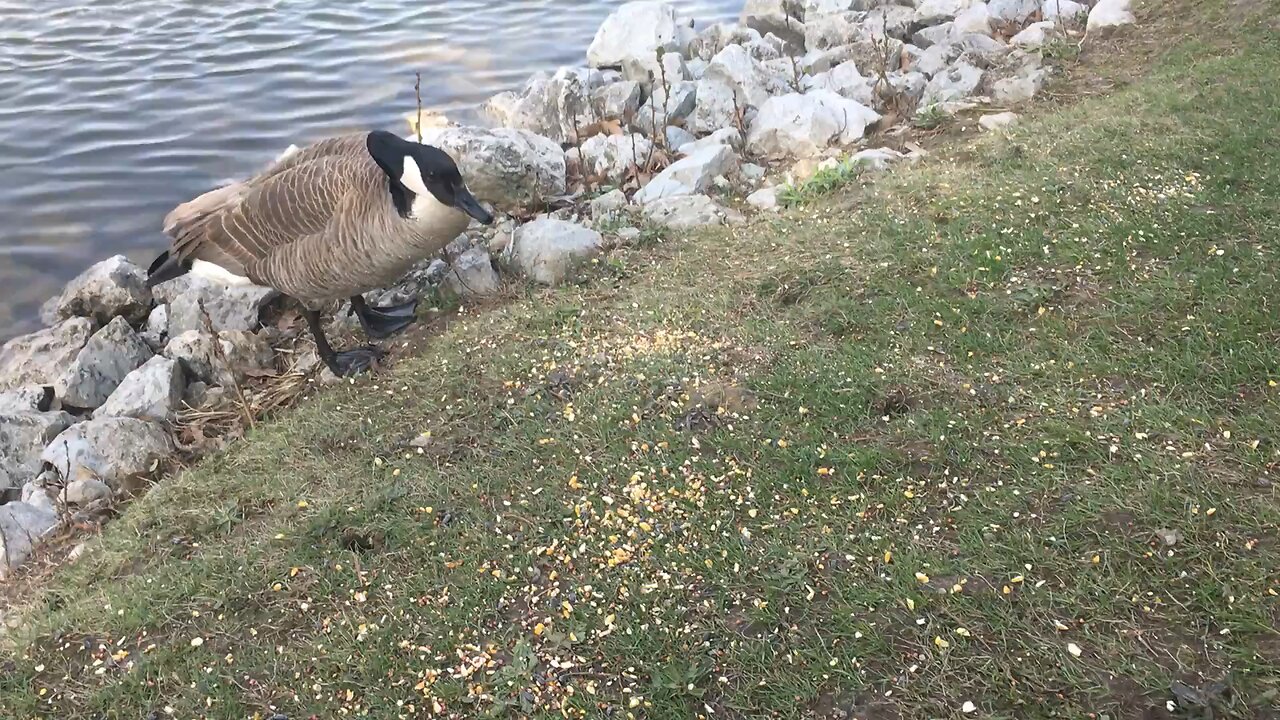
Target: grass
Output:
[
  {"x": 824, "y": 182},
  {"x": 917, "y": 447},
  {"x": 930, "y": 118}
]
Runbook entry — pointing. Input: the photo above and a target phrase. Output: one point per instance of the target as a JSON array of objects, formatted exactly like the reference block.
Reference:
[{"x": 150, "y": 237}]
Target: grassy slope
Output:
[{"x": 955, "y": 407}]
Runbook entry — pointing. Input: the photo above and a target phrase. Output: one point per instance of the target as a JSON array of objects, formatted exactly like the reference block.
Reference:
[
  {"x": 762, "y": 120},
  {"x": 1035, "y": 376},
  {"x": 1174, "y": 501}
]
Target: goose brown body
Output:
[{"x": 318, "y": 225}]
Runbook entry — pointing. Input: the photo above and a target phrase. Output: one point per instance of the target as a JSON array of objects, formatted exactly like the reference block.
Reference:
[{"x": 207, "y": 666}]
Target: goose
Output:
[{"x": 333, "y": 220}]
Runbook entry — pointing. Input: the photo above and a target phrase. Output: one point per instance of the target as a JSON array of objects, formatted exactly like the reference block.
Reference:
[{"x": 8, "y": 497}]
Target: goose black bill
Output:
[{"x": 468, "y": 204}]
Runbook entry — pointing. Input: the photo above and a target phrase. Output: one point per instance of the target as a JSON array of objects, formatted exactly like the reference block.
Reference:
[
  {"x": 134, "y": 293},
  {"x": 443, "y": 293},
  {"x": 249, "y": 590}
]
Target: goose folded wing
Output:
[
  {"x": 349, "y": 145},
  {"x": 272, "y": 211}
]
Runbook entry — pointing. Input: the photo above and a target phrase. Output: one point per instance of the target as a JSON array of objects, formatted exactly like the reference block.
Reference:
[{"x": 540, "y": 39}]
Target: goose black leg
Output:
[
  {"x": 341, "y": 364},
  {"x": 383, "y": 322}
]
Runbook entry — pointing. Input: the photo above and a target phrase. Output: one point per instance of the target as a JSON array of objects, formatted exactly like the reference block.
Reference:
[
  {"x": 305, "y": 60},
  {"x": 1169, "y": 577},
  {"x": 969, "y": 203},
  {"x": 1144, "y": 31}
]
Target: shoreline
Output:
[{"x": 668, "y": 130}]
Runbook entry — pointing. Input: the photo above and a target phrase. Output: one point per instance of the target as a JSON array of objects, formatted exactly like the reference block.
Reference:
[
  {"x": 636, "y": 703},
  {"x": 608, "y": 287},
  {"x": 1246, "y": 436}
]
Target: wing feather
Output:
[{"x": 299, "y": 197}]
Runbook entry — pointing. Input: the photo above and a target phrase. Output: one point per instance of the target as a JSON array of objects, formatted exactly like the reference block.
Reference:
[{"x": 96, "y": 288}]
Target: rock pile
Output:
[{"x": 665, "y": 126}]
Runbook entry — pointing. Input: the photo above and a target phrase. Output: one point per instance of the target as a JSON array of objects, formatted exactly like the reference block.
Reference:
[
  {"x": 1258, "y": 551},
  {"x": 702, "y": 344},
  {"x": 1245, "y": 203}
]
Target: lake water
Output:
[{"x": 114, "y": 111}]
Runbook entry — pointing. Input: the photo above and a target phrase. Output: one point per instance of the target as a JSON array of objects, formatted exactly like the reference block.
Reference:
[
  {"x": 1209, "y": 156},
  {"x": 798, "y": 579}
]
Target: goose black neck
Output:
[
  {"x": 389, "y": 151},
  {"x": 401, "y": 197}
]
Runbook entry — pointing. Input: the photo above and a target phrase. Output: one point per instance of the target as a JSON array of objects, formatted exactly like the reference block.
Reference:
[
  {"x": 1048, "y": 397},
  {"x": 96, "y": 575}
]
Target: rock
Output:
[
  {"x": 804, "y": 125},
  {"x": 733, "y": 83},
  {"x": 667, "y": 107},
  {"x": 678, "y": 137},
  {"x": 831, "y": 31},
  {"x": 472, "y": 274},
  {"x": 23, "y": 436},
  {"x": 845, "y": 81},
  {"x": 937, "y": 58},
  {"x": 609, "y": 158},
  {"x": 820, "y": 61},
  {"x": 787, "y": 71},
  {"x": 1015, "y": 12},
  {"x": 874, "y": 54},
  {"x": 152, "y": 392},
  {"x": 1035, "y": 35},
  {"x": 696, "y": 67},
  {"x": 814, "y": 9},
  {"x": 956, "y": 83},
  {"x": 157, "y": 326},
  {"x": 876, "y": 159},
  {"x": 764, "y": 199},
  {"x": 13, "y": 477},
  {"x": 27, "y": 399},
  {"x": 770, "y": 47},
  {"x": 112, "y": 450},
  {"x": 807, "y": 167},
  {"x": 982, "y": 50},
  {"x": 36, "y": 492},
  {"x": 457, "y": 246},
  {"x": 998, "y": 121},
  {"x": 40, "y": 358},
  {"x": 690, "y": 175},
  {"x": 1063, "y": 10},
  {"x": 751, "y": 172},
  {"x": 974, "y": 19},
  {"x": 684, "y": 213},
  {"x": 617, "y": 101},
  {"x": 628, "y": 235},
  {"x": 935, "y": 12},
  {"x": 955, "y": 107},
  {"x": 608, "y": 204},
  {"x": 911, "y": 55},
  {"x": 934, "y": 35},
  {"x": 429, "y": 122},
  {"x": 654, "y": 71},
  {"x": 1169, "y": 537},
  {"x": 499, "y": 237},
  {"x": 505, "y": 109},
  {"x": 636, "y": 31},
  {"x": 48, "y": 312},
  {"x": 242, "y": 352},
  {"x": 902, "y": 85},
  {"x": 896, "y": 21},
  {"x": 1108, "y": 16},
  {"x": 724, "y": 136},
  {"x": 555, "y": 107},
  {"x": 547, "y": 251},
  {"x": 200, "y": 304},
  {"x": 779, "y": 17},
  {"x": 112, "y": 287},
  {"x": 22, "y": 527},
  {"x": 112, "y": 353},
  {"x": 197, "y": 395},
  {"x": 719, "y": 36},
  {"x": 1020, "y": 87},
  {"x": 86, "y": 491},
  {"x": 509, "y": 168}
]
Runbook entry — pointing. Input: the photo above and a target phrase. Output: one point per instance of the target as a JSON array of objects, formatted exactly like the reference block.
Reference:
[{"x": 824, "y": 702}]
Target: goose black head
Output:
[{"x": 416, "y": 169}]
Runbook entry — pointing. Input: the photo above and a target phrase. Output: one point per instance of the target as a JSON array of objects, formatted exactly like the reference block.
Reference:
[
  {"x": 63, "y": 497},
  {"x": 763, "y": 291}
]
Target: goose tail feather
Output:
[
  {"x": 183, "y": 225},
  {"x": 166, "y": 267}
]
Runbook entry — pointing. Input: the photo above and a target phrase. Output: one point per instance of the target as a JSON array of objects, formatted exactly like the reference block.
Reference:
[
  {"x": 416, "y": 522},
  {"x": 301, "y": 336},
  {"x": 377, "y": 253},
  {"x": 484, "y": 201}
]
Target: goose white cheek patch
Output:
[{"x": 412, "y": 177}]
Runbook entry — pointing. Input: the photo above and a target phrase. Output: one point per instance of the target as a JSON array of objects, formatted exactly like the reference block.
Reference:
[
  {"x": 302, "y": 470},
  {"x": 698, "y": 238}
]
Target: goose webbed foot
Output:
[
  {"x": 383, "y": 322},
  {"x": 342, "y": 364},
  {"x": 354, "y": 362}
]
